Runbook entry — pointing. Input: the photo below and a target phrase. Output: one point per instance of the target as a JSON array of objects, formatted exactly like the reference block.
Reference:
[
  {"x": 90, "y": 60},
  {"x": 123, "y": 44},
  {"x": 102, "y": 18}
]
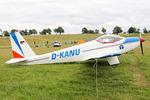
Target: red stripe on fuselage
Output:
[{"x": 38, "y": 59}]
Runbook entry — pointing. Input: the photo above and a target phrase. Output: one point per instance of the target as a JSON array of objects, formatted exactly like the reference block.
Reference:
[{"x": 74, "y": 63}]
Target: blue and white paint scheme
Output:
[{"x": 106, "y": 46}]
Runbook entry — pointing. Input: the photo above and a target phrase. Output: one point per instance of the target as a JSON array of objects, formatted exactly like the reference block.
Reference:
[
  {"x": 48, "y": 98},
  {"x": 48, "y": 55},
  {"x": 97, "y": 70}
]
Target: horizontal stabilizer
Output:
[{"x": 16, "y": 60}]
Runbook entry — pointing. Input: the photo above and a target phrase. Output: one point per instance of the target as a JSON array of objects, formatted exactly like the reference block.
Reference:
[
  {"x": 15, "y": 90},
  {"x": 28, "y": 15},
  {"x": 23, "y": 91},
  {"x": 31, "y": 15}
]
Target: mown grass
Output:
[{"x": 129, "y": 80}]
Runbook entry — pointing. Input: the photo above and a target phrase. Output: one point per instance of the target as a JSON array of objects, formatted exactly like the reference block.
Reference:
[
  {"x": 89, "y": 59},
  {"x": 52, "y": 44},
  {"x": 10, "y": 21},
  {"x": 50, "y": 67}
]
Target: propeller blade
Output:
[
  {"x": 141, "y": 40},
  {"x": 141, "y": 48}
]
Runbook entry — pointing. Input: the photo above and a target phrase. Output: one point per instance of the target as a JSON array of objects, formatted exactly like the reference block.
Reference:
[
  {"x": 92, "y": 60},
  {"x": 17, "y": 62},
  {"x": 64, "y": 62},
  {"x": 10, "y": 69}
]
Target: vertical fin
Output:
[{"x": 20, "y": 47}]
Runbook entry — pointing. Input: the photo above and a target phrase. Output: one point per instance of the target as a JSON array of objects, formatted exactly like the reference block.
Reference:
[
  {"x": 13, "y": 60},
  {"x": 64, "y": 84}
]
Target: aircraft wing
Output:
[
  {"x": 105, "y": 54},
  {"x": 111, "y": 56}
]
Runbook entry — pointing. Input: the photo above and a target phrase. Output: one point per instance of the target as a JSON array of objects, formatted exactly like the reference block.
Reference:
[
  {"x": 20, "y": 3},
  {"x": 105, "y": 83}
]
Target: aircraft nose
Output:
[{"x": 142, "y": 39}]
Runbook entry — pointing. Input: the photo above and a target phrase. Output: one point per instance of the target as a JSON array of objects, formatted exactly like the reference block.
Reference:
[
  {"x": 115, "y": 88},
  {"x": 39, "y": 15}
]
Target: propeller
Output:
[{"x": 141, "y": 40}]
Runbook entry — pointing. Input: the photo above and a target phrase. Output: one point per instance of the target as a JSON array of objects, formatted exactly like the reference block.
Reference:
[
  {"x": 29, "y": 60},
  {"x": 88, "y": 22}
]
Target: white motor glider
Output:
[{"x": 106, "y": 46}]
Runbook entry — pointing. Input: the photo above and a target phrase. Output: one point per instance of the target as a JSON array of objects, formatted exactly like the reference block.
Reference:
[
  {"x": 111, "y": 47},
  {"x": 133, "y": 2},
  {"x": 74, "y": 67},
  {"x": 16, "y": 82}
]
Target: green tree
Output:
[
  {"x": 96, "y": 31},
  {"x": 21, "y": 32},
  {"x": 25, "y": 32},
  {"x": 34, "y": 31},
  {"x": 60, "y": 30},
  {"x": 30, "y": 32},
  {"x": 44, "y": 31},
  {"x": 145, "y": 30},
  {"x": 6, "y": 33},
  {"x": 91, "y": 31},
  {"x": 49, "y": 31},
  {"x": 138, "y": 31},
  {"x": 103, "y": 30},
  {"x": 55, "y": 30},
  {"x": 13, "y": 30},
  {"x": 117, "y": 30},
  {"x": 84, "y": 30},
  {"x": 1, "y": 32},
  {"x": 132, "y": 30}
]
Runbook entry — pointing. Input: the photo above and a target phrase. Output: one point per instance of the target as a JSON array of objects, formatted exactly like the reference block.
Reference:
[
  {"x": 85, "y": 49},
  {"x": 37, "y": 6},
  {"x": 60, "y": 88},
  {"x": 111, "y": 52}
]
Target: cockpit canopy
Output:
[{"x": 109, "y": 38}]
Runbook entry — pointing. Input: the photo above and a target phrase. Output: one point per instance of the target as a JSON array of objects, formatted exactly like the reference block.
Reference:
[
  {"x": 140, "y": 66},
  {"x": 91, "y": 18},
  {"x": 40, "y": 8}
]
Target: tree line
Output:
[
  {"x": 116, "y": 30},
  {"x": 84, "y": 30},
  {"x": 45, "y": 31}
]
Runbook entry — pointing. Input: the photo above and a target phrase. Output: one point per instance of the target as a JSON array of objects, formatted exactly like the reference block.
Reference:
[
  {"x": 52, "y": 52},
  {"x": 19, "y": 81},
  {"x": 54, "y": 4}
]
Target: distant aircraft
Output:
[{"x": 106, "y": 46}]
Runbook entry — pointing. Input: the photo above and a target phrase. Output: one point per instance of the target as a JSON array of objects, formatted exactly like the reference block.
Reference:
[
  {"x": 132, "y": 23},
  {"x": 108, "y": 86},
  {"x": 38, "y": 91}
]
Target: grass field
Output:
[{"x": 129, "y": 80}]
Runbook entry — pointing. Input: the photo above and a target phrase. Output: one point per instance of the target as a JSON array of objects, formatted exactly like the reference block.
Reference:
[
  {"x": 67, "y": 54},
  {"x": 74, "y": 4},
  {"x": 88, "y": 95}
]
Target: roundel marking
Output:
[{"x": 121, "y": 47}]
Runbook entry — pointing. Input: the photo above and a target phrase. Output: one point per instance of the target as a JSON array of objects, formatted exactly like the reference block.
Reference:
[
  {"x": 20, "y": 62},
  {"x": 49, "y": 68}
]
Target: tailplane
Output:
[{"x": 20, "y": 48}]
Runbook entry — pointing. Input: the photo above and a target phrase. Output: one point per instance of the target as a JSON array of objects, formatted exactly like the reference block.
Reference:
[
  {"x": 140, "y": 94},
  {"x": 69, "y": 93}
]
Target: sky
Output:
[{"x": 73, "y": 15}]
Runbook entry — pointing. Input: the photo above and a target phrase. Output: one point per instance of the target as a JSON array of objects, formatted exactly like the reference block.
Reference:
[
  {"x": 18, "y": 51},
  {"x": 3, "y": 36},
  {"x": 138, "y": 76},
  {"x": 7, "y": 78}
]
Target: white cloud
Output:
[{"x": 74, "y": 14}]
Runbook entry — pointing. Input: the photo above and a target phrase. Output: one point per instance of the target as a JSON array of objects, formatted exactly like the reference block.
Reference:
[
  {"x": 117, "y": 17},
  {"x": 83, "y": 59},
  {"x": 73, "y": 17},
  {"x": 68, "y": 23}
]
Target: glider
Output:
[{"x": 106, "y": 46}]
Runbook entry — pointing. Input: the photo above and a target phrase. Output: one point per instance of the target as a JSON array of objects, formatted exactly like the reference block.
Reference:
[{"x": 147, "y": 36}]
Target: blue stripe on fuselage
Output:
[
  {"x": 131, "y": 39},
  {"x": 110, "y": 55},
  {"x": 13, "y": 35}
]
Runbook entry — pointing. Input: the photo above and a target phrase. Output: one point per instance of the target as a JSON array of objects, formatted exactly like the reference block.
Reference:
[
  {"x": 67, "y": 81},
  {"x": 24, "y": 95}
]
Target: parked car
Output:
[{"x": 56, "y": 44}]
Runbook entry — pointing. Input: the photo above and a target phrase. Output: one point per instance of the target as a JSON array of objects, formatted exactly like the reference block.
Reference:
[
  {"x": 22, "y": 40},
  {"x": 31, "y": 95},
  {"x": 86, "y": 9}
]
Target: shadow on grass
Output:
[
  {"x": 91, "y": 63},
  {"x": 88, "y": 63},
  {"x": 14, "y": 66},
  {"x": 105, "y": 71}
]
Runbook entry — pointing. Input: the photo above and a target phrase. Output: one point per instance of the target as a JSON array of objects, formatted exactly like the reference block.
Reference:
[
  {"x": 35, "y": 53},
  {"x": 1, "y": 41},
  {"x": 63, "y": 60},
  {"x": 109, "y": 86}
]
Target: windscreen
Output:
[{"x": 109, "y": 38}]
